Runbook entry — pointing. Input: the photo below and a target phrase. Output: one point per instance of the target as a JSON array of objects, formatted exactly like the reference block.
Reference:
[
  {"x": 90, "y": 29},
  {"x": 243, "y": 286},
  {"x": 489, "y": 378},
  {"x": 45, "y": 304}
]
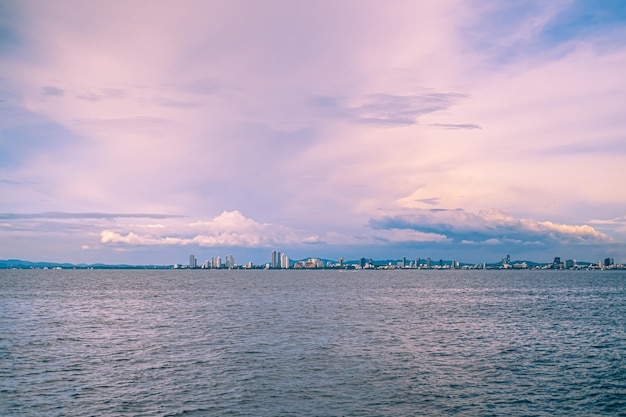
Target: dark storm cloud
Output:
[
  {"x": 388, "y": 109},
  {"x": 457, "y": 126}
]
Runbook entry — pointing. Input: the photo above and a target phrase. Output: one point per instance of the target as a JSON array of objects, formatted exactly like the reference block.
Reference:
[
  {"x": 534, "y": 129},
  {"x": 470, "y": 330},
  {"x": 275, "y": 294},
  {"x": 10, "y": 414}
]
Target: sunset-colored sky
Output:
[{"x": 145, "y": 131}]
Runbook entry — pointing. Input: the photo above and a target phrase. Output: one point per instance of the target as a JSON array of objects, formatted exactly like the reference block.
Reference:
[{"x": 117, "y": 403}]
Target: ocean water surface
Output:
[{"x": 319, "y": 342}]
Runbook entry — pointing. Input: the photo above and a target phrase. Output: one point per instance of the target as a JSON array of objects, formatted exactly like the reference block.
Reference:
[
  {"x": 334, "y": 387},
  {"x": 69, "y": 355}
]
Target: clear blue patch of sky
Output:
[
  {"x": 11, "y": 40},
  {"x": 594, "y": 21},
  {"x": 8, "y": 38},
  {"x": 586, "y": 18}
]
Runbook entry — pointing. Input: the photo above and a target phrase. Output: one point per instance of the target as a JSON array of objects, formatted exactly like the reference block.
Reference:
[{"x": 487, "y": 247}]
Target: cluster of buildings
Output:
[
  {"x": 606, "y": 263},
  {"x": 280, "y": 260},
  {"x": 214, "y": 263}
]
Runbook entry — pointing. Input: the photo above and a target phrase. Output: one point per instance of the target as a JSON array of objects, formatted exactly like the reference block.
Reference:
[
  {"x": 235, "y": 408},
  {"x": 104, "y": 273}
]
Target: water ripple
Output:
[{"x": 242, "y": 343}]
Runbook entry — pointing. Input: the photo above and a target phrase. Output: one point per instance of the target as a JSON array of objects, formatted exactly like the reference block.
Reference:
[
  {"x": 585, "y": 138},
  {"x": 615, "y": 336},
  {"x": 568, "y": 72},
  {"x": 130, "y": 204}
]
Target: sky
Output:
[{"x": 143, "y": 132}]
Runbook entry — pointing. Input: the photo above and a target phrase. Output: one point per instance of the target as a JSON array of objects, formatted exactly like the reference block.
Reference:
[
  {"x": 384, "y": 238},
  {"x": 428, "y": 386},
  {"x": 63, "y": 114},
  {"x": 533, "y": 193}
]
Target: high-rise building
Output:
[
  {"x": 284, "y": 261},
  {"x": 193, "y": 262},
  {"x": 275, "y": 263},
  {"x": 230, "y": 261}
]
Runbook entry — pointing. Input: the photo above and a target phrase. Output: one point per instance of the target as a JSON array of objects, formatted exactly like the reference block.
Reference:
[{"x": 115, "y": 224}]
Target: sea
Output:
[{"x": 312, "y": 343}]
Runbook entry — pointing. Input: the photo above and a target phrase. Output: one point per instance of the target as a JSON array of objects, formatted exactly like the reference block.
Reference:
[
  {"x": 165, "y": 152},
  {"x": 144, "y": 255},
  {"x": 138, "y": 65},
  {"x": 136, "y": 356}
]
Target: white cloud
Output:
[
  {"x": 313, "y": 240},
  {"x": 131, "y": 238},
  {"x": 580, "y": 232},
  {"x": 230, "y": 228}
]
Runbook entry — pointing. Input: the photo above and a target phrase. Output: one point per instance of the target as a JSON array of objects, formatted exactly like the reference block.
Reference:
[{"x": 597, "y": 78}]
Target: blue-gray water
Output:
[{"x": 326, "y": 343}]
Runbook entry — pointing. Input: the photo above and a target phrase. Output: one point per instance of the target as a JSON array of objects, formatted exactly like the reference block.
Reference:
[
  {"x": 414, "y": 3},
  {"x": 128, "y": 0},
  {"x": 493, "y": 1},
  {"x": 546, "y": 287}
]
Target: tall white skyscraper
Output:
[
  {"x": 193, "y": 262},
  {"x": 284, "y": 261}
]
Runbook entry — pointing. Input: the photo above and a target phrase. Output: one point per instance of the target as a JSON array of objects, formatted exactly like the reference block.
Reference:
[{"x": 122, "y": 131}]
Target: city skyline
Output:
[
  {"x": 280, "y": 260},
  {"x": 141, "y": 132}
]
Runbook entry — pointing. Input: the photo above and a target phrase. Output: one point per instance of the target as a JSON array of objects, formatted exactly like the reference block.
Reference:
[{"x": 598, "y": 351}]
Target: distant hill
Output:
[
  {"x": 17, "y": 263},
  {"x": 20, "y": 264}
]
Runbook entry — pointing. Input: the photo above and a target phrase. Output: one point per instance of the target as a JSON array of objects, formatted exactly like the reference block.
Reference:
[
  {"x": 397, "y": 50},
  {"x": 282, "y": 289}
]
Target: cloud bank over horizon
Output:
[
  {"x": 466, "y": 129},
  {"x": 490, "y": 227}
]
